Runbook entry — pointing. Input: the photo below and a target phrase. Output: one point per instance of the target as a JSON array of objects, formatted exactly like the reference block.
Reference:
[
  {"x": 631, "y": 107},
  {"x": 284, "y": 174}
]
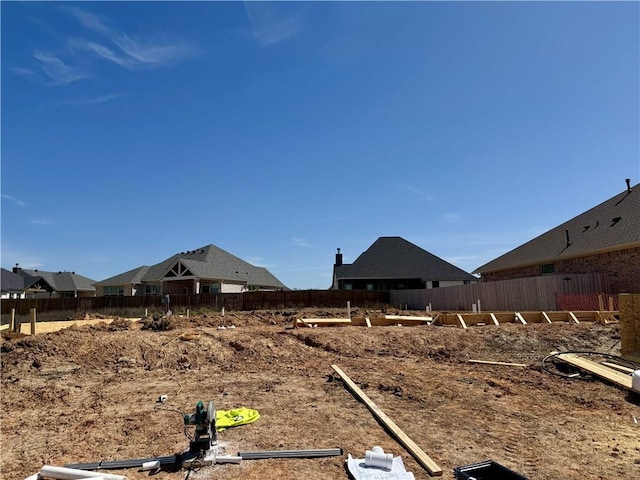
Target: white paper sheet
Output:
[{"x": 359, "y": 471}]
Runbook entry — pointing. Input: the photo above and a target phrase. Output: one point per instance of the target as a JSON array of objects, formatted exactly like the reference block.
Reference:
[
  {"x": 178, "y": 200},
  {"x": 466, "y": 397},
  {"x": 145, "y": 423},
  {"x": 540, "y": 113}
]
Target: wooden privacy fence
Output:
[
  {"x": 533, "y": 293},
  {"x": 216, "y": 301}
]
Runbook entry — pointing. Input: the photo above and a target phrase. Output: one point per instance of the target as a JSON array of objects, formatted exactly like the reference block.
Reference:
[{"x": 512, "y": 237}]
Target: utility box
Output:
[{"x": 488, "y": 470}]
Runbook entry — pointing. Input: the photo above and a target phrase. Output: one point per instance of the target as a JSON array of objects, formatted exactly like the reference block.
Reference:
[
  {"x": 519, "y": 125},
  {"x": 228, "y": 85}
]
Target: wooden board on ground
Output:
[
  {"x": 48, "y": 327},
  {"x": 321, "y": 322},
  {"x": 506, "y": 364},
  {"x": 407, "y": 317},
  {"x": 421, "y": 457},
  {"x": 602, "y": 371}
]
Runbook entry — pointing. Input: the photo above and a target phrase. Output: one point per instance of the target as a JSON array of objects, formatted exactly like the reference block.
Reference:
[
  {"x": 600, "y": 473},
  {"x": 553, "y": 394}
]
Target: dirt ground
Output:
[{"x": 88, "y": 393}]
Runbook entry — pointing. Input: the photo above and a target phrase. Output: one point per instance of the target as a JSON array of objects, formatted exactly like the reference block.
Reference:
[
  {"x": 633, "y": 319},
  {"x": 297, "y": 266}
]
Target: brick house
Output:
[{"x": 604, "y": 239}]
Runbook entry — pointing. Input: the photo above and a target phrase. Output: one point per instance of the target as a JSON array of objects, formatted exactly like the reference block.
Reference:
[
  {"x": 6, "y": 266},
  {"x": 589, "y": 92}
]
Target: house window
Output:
[
  {"x": 435, "y": 284},
  {"x": 348, "y": 286},
  {"x": 152, "y": 290},
  {"x": 66, "y": 294},
  {"x": 114, "y": 291},
  {"x": 547, "y": 269},
  {"x": 369, "y": 286},
  {"x": 212, "y": 287}
]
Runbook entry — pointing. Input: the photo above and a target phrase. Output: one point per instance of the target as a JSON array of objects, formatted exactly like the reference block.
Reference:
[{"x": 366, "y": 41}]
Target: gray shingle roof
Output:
[
  {"x": 12, "y": 282},
  {"x": 613, "y": 224},
  {"x": 64, "y": 281},
  {"x": 395, "y": 257},
  {"x": 132, "y": 277},
  {"x": 208, "y": 262}
]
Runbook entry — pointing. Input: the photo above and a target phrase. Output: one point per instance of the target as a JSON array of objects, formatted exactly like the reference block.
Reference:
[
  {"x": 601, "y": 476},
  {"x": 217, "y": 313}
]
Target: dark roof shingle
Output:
[
  {"x": 614, "y": 223},
  {"x": 395, "y": 257}
]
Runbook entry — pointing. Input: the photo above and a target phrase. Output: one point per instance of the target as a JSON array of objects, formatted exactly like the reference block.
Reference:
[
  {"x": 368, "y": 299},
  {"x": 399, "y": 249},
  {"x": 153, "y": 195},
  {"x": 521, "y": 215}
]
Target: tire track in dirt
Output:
[{"x": 520, "y": 453}]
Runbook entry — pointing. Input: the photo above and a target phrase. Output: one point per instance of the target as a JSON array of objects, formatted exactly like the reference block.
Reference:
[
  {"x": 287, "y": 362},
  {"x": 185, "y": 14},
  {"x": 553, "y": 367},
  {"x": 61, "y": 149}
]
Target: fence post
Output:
[
  {"x": 12, "y": 323},
  {"x": 33, "y": 321}
]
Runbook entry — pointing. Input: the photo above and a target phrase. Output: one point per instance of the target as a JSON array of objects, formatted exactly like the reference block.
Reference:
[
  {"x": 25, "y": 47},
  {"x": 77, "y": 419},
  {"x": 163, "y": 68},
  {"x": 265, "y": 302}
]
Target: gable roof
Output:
[
  {"x": 132, "y": 277},
  {"x": 612, "y": 225},
  {"x": 64, "y": 281},
  {"x": 395, "y": 257},
  {"x": 209, "y": 262},
  {"x": 12, "y": 282}
]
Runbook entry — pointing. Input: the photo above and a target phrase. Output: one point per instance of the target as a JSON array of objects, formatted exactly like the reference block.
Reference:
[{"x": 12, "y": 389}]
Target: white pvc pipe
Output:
[
  {"x": 152, "y": 465},
  {"x": 228, "y": 459},
  {"x": 35, "y": 476},
  {"x": 63, "y": 473}
]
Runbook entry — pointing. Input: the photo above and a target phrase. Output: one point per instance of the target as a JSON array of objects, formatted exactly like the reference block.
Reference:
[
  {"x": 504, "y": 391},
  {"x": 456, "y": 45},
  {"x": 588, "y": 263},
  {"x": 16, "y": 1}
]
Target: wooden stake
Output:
[
  {"x": 12, "y": 323},
  {"x": 33, "y": 321},
  {"x": 600, "y": 302},
  {"x": 421, "y": 457}
]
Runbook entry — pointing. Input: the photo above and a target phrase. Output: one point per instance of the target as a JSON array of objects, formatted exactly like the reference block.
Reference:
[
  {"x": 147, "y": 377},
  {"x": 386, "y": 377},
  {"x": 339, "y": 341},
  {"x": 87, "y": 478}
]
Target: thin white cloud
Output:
[
  {"x": 12, "y": 256},
  {"x": 301, "y": 242},
  {"x": 91, "y": 101},
  {"x": 451, "y": 217},
  {"x": 128, "y": 51},
  {"x": 41, "y": 221},
  {"x": 13, "y": 199},
  {"x": 268, "y": 26},
  {"x": 149, "y": 51},
  {"x": 88, "y": 20},
  {"x": 25, "y": 72},
  {"x": 59, "y": 72},
  {"x": 101, "y": 51},
  {"x": 417, "y": 191}
]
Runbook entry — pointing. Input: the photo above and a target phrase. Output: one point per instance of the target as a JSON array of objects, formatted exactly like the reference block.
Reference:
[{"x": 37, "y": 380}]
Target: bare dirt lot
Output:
[{"x": 88, "y": 393}]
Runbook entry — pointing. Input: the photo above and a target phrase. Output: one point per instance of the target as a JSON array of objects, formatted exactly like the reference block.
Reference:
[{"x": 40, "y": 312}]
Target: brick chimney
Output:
[{"x": 338, "y": 259}]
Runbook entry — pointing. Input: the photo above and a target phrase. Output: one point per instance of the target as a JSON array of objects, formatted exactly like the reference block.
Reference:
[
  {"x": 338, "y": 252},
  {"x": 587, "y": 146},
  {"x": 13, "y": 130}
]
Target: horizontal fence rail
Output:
[
  {"x": 257, "y": 300},
  {"x": 526, "y": 294}
]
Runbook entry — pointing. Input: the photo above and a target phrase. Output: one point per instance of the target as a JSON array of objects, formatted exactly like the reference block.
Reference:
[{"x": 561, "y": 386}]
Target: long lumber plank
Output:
[
  {"x": 322, "y": 322},
  {"x": 597, "y": 369},
  {"x": 403, "y": 317},
  {"x": 421, "y": 457},
  {"x": 622, "y": 368},
  {"x": 506, "y": 364}
]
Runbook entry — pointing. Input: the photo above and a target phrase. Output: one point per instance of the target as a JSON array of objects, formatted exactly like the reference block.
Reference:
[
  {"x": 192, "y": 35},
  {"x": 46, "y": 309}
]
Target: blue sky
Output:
[{"x": 282, "y": 131}]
